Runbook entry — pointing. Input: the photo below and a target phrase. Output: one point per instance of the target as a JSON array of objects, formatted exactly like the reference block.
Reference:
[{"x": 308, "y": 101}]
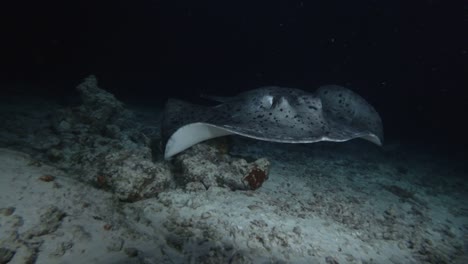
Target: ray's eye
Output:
[
  {"x": 275, "y": 101},
  {"x": 267, "y": 101}
]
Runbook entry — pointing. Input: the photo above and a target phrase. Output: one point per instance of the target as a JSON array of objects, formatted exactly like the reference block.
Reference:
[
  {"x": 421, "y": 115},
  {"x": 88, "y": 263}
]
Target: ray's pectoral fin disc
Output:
[
  {"x": 349, "y": 115},
  {"x": 183, "y": 126},
  {"x": 286, "y": 115}
]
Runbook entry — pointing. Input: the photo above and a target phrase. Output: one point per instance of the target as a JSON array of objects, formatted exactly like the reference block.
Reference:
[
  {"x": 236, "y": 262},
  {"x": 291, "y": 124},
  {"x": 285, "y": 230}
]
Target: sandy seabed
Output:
[{"x": 322, "y": 203}]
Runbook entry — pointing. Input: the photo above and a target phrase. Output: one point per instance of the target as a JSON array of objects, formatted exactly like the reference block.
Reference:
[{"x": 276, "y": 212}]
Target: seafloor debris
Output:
[
  {"x": 206, "y": 164},
  {"x": 47, "y": 178},
  {"x": 24, "y": 246},
  {"x": 256, "y": 177},
  {"x": 100, "y": 142},
  {"x": 6, "y": 255},
  {"x": 400, "y": 192},
  {"x": 7, "y": 211}
]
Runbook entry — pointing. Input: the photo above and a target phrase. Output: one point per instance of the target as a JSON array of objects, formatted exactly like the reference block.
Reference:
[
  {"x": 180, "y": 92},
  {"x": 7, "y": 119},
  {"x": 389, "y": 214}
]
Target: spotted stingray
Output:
[{"x": 276, "y": 114}]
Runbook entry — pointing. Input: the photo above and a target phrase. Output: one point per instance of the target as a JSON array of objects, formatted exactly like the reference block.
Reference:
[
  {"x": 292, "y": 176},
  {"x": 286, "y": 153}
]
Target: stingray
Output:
[{"x": 275, "y": 114}]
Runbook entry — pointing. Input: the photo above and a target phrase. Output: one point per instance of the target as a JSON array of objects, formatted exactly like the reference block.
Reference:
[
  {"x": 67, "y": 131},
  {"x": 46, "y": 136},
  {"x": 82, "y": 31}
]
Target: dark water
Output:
[{"x": 408, "y": 59}]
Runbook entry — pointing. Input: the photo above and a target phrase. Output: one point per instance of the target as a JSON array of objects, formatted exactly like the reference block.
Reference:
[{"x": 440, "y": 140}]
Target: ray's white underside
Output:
[{"x": 191, "y": 134}]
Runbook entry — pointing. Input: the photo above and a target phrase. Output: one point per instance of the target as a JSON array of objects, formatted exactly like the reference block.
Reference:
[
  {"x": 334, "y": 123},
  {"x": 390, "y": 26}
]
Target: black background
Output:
[{"x": 407, "y": 58}]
